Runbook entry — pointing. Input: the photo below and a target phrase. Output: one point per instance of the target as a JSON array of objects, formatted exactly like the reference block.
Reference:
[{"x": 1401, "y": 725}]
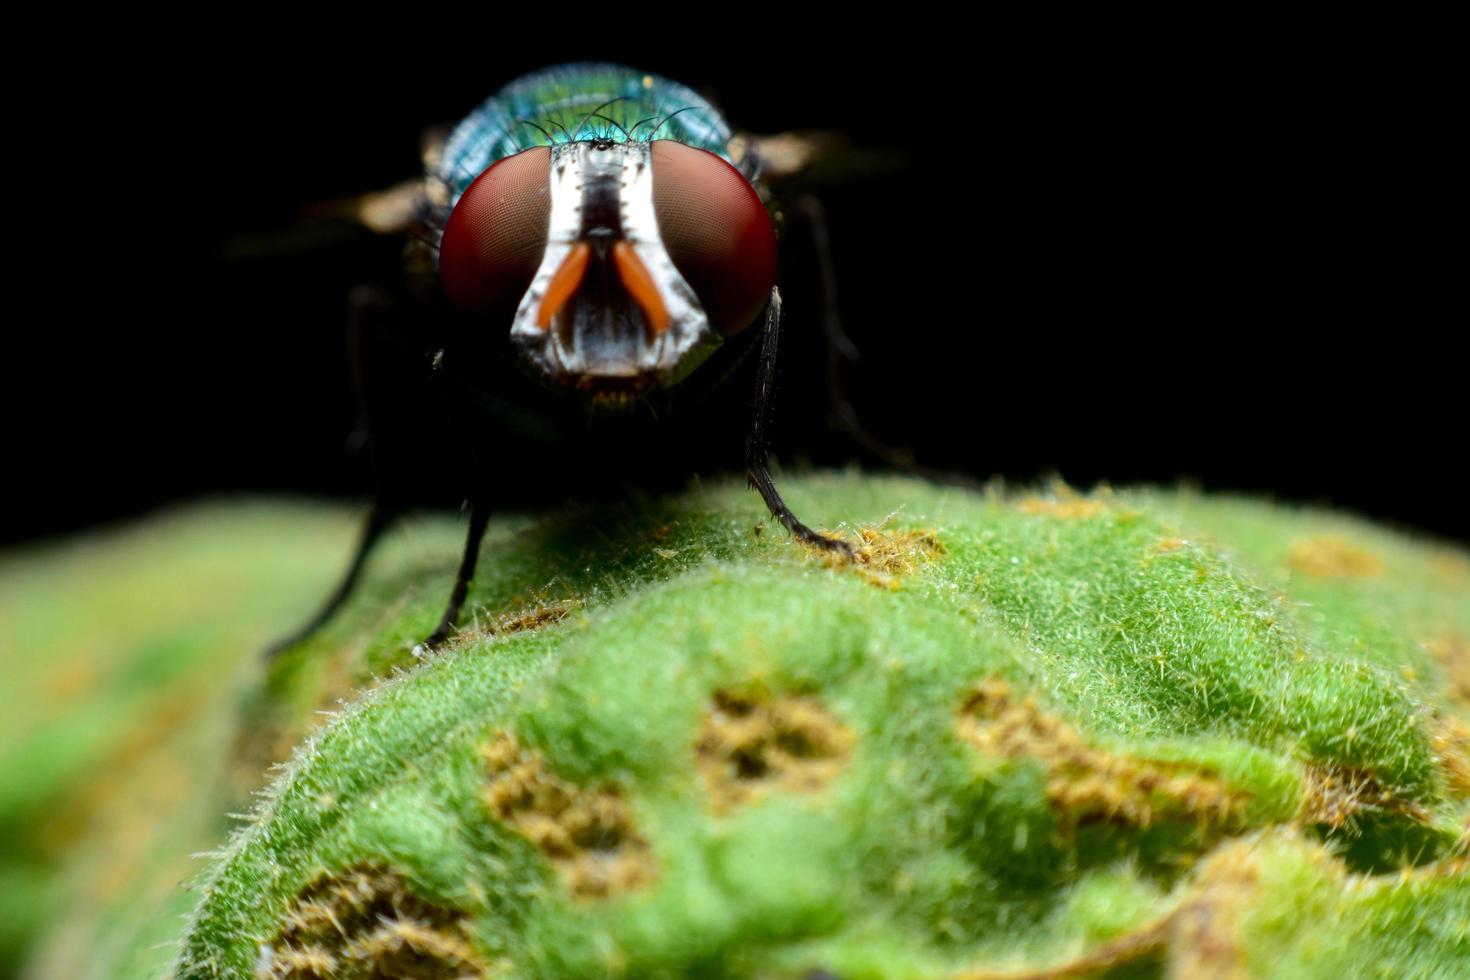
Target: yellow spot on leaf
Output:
[
  {"x": 366, "y": 922},
  {"x": 750, "y": 746},
  {"x": 1338, "y": 795},
  {"x": 1204, "y": 934},
  {"x": 587, "y": 834},
  {"x": 885, "y": 557},
  {"x": 1066, "y": 508},
  {"x": 518, "y": 621},
  {"x": 1330, "y": 556},
  {"x": 1453, "y": 653},
  {"x": 1451, "y": 565},
  {"x": 1089, "y": 784},
  {"x": 1450, "y": 739}
]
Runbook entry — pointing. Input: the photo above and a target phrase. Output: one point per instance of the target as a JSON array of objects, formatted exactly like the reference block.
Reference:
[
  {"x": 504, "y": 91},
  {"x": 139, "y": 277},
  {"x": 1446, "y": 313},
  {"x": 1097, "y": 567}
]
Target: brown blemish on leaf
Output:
[
  {"x": 1210, "y": 938},
  {"x": 518, "y": 621},
  {"x": 308, "y": 961},
  {"x": 1338, "y": 796},
  {"x": 1204, "y": 937},
  {"x": 1115, "y": 952},
  {"x": 1450, "y": 867},
  {"x": 1169, "y": 545},
  {"x": 366, "y": 923},
  {"x": 884, "y": 557},
  {"x": 750, "y": 746},
  {"x": 70, "y": 683},
  {"x": 1087, "y": 784},
  {"x": 530, "y": 619},
  {"x": 1199, "y": 939},
  {"x": 276, "y": 730},
  {"x": 898, "y": 553},
  {"x": 140, "y": 772},
  {"x": 333, "y": 677},
  {"x": 1450, "y": 739},
  {"x": 1331, "y": 556},
  {"x": 1066, "y": 507},
  {"x": 587, "y": 835},
  {"x": 1451, "y": 565},
  {"x": 1453, "y": 653}
]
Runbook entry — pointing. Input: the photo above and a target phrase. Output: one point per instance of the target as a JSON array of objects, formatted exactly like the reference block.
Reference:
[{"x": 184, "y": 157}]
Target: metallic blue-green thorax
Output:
[{"x": 576, "y": 102}]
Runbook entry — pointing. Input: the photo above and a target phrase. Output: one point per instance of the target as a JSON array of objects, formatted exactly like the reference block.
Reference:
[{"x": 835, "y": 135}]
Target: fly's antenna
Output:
[
  {"x": 617, "y": 98},
  {"x": 527, "y": 122},
  {"x": 666, "y": 119},
  {"x": 615, "y": 123}
]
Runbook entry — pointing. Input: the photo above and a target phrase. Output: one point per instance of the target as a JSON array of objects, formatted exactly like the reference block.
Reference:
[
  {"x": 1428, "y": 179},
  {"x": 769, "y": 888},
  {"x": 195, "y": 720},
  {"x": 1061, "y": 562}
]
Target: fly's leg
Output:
[
  {"x": 839, "y": 345},
  {"x": 378, "y": 520},
  {"x": 479, "y": 517},
  {"x": 840, "y": 413},
  {"x": 757, "y": 466},
  {"x": 461, "y": 401},
  {"x": 367, "y": 309}
]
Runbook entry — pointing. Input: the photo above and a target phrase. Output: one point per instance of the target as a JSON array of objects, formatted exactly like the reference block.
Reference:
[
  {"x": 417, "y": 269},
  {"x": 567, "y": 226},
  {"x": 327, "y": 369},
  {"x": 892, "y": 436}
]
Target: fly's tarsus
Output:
[{"x": 479, "y": 518}]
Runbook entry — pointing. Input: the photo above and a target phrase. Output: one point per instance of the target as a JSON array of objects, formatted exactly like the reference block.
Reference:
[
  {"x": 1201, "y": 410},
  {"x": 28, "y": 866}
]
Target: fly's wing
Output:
[
  {"x": 386, "y": 212},
  {"x": 398, "y": 209},
  {"x": 324, "y": 225},
  {"x": 811, "y": 158}
]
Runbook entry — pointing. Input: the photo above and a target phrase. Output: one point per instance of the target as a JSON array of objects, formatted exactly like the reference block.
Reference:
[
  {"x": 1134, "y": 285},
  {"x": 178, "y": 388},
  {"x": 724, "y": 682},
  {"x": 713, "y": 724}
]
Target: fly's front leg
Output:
[
  {"x": 840, "y": 412},
  {"x": 757, "y": 466},
  {"x": 458, "y": 401},
  {"x": 369, "y": 312},
  {"x": 379, "y": 519},
  {"x": 479, "y": 518}
]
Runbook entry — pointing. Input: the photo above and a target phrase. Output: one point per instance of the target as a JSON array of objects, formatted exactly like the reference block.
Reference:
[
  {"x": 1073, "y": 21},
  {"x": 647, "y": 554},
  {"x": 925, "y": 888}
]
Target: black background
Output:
[{"x": 1099, "y": 257}]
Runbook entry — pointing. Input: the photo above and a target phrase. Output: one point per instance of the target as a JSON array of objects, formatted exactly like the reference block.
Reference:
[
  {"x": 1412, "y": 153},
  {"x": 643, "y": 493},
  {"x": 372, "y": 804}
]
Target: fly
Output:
[{"x": 607, "y": 228}]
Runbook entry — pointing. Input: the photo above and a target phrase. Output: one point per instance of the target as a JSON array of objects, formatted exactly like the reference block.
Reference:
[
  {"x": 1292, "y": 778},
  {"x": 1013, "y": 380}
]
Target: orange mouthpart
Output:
[
  {"x": 568, "y": 277},
  {"x": 640, "y": 285}
]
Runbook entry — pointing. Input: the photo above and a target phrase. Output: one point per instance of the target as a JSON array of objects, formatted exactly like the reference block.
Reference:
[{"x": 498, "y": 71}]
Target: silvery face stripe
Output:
[{"x": 600, "y": 192}]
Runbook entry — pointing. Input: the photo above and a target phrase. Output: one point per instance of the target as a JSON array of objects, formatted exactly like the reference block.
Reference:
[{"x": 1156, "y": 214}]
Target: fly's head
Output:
[{"x": 626, "y": 263}]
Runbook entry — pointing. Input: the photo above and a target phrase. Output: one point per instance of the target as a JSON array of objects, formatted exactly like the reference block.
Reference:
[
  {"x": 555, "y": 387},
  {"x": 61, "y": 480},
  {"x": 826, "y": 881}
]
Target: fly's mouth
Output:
[
  {"x": 614, "y": 394},
  {"x": 603, "y": 328},
  {"x": 602, "y": 340}
]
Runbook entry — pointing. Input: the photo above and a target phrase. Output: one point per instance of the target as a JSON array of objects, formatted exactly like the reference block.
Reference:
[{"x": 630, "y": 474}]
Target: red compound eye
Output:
[
  {"x": 716, "y": 231},
  {"x": 496, "y": 235}
]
